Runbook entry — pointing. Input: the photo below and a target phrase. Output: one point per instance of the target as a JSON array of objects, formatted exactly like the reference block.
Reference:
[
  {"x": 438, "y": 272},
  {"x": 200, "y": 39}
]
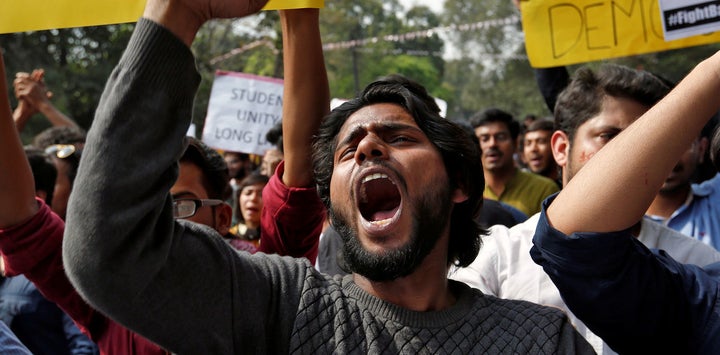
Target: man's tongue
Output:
[{"x": 385, "y": 212}]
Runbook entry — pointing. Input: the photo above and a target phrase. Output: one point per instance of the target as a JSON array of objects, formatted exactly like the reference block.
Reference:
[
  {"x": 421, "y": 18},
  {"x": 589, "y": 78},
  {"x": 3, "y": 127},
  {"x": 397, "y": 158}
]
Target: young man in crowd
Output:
[
  {"x": 691, "y": 209},
  {"x": 637, "y": 300},
  {"x": 402, "y": 229},
  {"x": 594, "y": 108},
  {"x": 537, "y": 152},
  {"x": 498, "y": 133}
]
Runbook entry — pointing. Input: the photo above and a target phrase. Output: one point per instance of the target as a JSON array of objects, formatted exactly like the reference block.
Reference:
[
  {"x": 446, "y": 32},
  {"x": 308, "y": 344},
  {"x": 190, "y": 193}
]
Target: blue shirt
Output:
[
  {"x": 637, "y": 300},
  {"x": 9, "y": 343},
  {"x": 38, "y": 323},
  {"x": 700, "y": 218}
]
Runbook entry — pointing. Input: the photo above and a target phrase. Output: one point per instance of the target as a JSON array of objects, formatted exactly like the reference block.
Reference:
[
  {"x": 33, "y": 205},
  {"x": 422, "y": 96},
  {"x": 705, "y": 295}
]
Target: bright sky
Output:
[{"x": 435, "y": 5}]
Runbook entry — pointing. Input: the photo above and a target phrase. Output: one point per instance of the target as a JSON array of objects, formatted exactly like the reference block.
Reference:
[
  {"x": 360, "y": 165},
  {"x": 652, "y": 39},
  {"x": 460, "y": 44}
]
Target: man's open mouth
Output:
[{"x": 378, "y": 199}]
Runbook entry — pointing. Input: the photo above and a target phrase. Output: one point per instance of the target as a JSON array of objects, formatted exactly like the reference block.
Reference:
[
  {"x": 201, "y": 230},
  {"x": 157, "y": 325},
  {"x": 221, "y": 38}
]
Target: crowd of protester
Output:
[{"x": 378, "y": 227}]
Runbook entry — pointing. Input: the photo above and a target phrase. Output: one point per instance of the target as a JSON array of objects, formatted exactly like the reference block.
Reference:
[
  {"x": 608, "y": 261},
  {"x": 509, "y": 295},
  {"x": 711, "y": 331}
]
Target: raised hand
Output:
[
  {"x": 31, "y": 91},
  {"x": 184, "y": 17}
]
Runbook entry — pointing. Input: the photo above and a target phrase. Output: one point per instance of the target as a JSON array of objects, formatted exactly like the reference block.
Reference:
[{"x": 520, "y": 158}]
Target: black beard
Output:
[{"x": 431, "y": 214}]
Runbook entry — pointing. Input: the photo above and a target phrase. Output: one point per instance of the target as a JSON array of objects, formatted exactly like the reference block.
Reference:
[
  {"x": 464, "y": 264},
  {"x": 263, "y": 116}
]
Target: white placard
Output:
[
  {"x": 686, "y": 18},
  {"x": 242, "y": 108}
]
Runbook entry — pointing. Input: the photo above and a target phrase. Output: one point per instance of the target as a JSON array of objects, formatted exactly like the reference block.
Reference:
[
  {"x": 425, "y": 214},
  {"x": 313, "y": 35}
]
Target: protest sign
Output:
[
  {"x": 686, "y": 18},
  {"x": 33, "y": 15},
  {"x": 241, "y": 110},
  {"x": 562, "y": 32}
]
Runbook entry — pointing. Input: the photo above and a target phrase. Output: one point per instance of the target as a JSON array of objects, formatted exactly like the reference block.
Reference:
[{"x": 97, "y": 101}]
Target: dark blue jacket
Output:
[
  {"x": 38, "y": 323},
  {"x": 637, "y": 300}
]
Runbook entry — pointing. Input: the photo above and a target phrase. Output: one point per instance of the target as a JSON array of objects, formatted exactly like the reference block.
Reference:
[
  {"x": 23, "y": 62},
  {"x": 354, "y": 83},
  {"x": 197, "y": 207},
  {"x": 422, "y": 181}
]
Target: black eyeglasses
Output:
[
  {"x": 61, "y": 151},
  {"x": 186, "y": 208}
]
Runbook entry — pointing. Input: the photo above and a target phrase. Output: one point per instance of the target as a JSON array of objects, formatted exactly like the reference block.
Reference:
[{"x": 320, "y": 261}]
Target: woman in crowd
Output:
[{"x": 249, "y": 205}]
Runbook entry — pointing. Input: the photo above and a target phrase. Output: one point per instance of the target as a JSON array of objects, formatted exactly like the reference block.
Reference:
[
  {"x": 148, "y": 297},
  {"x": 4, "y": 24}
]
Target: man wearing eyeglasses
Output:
[{"x": 202, "y": 187}]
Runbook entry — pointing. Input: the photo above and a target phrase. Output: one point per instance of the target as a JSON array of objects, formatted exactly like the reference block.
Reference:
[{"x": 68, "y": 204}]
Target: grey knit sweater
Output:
[{"x": 180, "y": 285}]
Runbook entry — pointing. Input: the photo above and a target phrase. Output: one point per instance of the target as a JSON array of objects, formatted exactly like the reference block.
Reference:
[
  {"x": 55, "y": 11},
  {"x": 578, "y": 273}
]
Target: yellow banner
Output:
[
  {"x": 33, "y": 15},
  {"x": 562, "y": 32}
]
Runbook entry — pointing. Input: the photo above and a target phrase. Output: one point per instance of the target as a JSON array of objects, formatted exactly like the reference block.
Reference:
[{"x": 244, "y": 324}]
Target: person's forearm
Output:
[
  {"x": 623, "y": 178},
  {"x": 306, "y": 94},
  {"x": 17, "y": 188},
  {"x": 56, "y": 118},
  {"x": 21, "y": 115}
]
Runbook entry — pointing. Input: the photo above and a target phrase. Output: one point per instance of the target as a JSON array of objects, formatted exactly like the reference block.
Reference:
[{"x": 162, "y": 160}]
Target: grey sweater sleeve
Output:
[{"x": 177, "y": 283}]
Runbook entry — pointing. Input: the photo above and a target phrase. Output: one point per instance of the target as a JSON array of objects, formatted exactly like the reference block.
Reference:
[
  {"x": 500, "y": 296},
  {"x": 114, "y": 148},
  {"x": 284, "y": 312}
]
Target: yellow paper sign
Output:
[
  {"x": 562, "y": 32},
  {"x": 32, "y": 15}
]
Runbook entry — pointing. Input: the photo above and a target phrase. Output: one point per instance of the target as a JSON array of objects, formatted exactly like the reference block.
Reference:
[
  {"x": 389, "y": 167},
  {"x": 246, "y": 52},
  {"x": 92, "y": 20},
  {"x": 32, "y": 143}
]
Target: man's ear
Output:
[
  {"x": 459, "y": 195},
  {"x": 560, "y": 144},
  {"x": 223, "y": 218}
]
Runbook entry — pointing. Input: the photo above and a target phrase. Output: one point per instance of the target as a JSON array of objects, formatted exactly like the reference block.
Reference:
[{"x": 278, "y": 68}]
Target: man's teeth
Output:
[
  {"x": 381, "y": 223},
  {"x": 375, "y": 176}
]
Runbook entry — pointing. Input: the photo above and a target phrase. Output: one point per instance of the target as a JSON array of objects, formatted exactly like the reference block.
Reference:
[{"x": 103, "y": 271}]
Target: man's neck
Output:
[
  {"x": 667, "y": 202},
  {"x": 497, "y": 180},
  {"x": 426, "y": 289}
]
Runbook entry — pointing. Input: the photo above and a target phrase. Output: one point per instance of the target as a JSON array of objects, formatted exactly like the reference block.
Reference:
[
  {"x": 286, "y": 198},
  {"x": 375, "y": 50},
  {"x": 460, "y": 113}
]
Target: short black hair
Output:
[
  {"x": 216, "y": 178},
  {"x": 275, "y": 136},
  {"x": 583, "y": 98},
  {"x": 541, "y": 125},
  {"x": 493, "y": 115}
]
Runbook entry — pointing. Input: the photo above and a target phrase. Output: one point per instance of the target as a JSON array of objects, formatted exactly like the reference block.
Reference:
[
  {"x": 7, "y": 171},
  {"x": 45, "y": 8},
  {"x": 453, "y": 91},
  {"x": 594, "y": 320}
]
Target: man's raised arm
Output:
[
  {"x": 624, "y": 177},
  {"x": 306, "y": 97},
  {"x": 17, "y": 186},
  {"x": 287, "y": 230},
  {"x": 634, "y": 299},
  {"x": 123, "y": 249}
]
